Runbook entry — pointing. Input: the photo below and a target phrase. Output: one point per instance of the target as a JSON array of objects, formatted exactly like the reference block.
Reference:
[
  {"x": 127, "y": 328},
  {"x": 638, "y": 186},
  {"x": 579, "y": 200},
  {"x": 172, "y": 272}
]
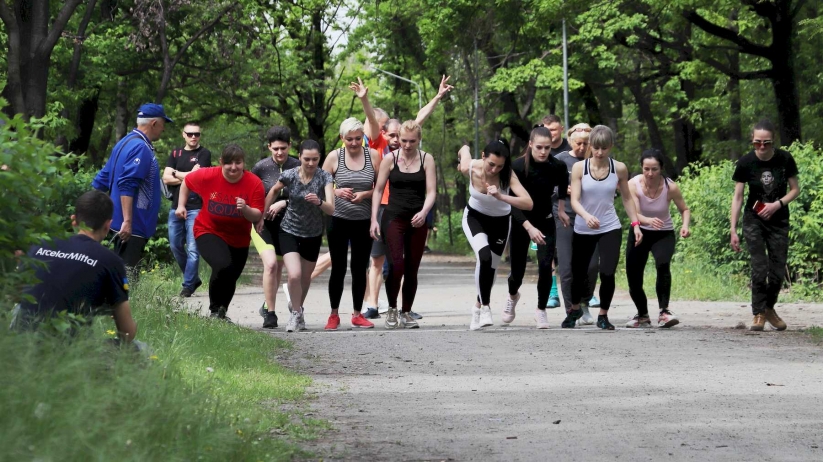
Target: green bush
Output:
[{"x": 35, "y": 204}]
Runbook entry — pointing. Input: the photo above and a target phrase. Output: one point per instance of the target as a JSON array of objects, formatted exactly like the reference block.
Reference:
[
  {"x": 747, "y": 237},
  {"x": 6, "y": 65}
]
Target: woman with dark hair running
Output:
[
  {"x": 487, "y": 217},
  {"x": 652, "y": 193},
  {"x": 301, "y": 231},
  {"x": 596, "y": 225},
  {"x": 232, "y": 201},
  {"x": 353, "y": 169},
  {"x": 539, "y": 172},
  {"x": 412, "y": 189},
  {"x": 772, "y": 178}
]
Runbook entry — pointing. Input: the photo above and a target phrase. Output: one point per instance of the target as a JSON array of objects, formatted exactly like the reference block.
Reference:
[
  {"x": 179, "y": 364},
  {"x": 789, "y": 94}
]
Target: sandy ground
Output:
[{"x": 700, "y": 391}]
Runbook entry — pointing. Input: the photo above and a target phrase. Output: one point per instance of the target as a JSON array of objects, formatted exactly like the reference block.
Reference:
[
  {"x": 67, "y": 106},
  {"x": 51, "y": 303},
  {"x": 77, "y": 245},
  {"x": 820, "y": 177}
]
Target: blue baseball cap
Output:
[{"x": 149, "y": 110}]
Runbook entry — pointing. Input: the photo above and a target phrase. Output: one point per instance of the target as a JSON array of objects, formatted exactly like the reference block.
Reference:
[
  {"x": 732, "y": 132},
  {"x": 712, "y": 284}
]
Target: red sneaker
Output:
[
  {"x": 334, "y": 322},
  {"x": 359, "y": 321}
]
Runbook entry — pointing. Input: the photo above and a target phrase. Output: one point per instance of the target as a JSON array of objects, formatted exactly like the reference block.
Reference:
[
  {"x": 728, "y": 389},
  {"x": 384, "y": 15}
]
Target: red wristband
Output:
[{"x": 635, "y": 223}]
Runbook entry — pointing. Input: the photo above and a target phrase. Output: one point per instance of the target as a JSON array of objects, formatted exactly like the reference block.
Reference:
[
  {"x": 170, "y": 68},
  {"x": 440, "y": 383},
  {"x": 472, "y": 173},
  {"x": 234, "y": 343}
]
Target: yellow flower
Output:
[
  {"x": 111, "y": 332},
  {"x": 154, "y": 357}
]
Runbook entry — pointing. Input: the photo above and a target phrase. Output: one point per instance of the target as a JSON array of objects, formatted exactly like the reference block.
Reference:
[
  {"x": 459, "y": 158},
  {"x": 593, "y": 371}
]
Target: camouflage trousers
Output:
[{"x": 768, "y": 245}]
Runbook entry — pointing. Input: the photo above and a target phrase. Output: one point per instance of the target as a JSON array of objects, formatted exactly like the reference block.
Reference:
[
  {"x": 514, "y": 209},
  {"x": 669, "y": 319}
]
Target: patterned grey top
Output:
[{"x": 303, "y": 218}]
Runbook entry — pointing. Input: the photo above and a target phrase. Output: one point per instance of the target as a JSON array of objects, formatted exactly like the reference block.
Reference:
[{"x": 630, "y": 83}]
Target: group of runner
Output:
[{"x": 379, "y": 188}]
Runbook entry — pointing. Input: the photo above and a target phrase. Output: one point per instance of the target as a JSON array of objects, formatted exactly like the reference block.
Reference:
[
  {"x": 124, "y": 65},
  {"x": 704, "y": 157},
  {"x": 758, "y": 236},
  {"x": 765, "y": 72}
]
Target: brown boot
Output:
[
  {"x": 774, "y": 319},
  {"x": 758, "y": 322}
]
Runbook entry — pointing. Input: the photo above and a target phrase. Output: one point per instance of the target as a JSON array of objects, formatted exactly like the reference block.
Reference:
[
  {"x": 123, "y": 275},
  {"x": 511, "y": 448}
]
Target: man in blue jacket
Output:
[{"x": 132, "y": 178}]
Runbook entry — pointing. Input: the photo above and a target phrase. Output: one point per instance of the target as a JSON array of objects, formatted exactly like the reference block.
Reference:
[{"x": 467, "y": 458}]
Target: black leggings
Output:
[
  {"x": 405, "y": 245},
  {"x": 661, "y": 245},
  {"x": 340, "y": 233},
  {"x": 487, "y": 236},
  {"x": 226, "y": 264},
  {"x": 519, "y": 254},
  {"x": 583, "y": 247},
  {"x": 565, "y": 234}
]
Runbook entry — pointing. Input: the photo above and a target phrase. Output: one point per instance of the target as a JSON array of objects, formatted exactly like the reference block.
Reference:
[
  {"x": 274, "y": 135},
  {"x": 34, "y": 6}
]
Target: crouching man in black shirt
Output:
[{"x": 79, "y": 275}]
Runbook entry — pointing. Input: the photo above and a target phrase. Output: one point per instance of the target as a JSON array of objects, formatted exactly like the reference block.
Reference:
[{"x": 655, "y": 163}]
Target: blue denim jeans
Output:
[{"x": 184, "y": 248}]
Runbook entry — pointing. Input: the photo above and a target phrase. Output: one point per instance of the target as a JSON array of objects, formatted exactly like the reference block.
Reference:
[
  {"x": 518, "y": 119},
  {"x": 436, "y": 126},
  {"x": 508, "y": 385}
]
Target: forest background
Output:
[{"x": 688, "y": 77}]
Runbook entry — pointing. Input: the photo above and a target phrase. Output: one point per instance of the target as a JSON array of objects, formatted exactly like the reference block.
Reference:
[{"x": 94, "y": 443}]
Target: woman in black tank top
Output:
[{"x": 412, "y": 182}]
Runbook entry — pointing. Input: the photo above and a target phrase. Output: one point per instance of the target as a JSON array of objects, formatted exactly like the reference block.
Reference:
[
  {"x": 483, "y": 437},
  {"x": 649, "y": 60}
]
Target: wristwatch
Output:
[{"x": 174, "y": 173}]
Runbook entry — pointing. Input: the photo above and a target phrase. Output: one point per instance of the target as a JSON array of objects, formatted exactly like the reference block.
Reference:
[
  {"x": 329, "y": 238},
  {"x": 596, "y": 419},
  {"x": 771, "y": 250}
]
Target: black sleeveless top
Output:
[{"x": 407, "y": 191}]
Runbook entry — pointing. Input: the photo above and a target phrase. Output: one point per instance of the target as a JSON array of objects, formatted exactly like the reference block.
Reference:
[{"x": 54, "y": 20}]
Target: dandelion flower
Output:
[
  {"x": 209, "y": 369},
  {"x": 153, "y": 357},
  {"x": 111, "y": 332}
]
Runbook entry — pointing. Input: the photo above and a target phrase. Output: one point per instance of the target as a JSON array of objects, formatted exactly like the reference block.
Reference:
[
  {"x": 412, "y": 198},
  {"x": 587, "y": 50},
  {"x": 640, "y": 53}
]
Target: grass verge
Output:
[
  {"x": 816, "y": 334},
  {"x": 209, "y": 391}
]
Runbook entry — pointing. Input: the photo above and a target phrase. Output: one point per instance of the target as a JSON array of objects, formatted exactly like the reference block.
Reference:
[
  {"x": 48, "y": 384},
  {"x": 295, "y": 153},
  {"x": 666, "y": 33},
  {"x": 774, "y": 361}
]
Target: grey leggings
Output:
[{"x": 564, "y": 262}]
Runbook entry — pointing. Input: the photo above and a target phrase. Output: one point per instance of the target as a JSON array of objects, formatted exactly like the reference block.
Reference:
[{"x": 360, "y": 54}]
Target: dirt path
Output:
[{"x": 701, "y": 391}]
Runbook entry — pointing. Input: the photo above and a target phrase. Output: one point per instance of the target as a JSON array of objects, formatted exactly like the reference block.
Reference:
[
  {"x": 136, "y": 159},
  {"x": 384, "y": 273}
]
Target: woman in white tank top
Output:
[
  {"x": 596, "y": 225},
  {"x": 487, "y": 218}
]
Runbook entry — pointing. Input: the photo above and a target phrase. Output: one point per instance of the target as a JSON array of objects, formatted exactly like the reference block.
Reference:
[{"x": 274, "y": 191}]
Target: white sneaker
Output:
[
  {"x": 541, "y": 318},
  {"x": 301, "y": 323},
  {"x": 639, "y": 322},
  {"x": 294, "y": 319},
  {"x": 286, "y": 292},
  {"x": 475, "y": 324},
  {"x": 508, "y": 312},
  {"x": 486, "y": 316},
  {"x": 391, "y": 318},
  {"x": 586, "y": 319},
  {"x": 382, "y": 306}
]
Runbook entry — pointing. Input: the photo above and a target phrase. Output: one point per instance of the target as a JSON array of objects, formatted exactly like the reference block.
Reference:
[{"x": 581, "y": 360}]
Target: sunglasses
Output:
[
  {"x": 580, "y": 129},
  {"x": 763, "y": 143},
  {"x": 192, "y": 134}
]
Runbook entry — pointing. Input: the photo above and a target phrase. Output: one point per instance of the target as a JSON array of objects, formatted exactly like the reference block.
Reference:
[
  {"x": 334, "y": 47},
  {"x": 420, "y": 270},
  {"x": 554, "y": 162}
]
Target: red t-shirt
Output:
[
  {"x": 219, "y": 215},
  {"x": 381, "y": 146}
]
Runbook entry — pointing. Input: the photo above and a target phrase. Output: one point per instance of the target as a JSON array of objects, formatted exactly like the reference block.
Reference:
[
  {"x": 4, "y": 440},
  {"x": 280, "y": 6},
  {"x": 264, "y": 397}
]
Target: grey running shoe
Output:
[
  {"x": 391, "y": 318},
  {"x": 301, "y": 322},
  {"x": 407, "y": 321},
  {"x": 263, "y": 310},
  {"x": 415, "y": 315},
  {"x": 294, "y": 319}
]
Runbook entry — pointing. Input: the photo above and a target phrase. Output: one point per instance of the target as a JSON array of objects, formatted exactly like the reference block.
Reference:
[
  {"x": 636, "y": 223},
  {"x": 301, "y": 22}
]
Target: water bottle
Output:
[{"x": 533, "y": 246}]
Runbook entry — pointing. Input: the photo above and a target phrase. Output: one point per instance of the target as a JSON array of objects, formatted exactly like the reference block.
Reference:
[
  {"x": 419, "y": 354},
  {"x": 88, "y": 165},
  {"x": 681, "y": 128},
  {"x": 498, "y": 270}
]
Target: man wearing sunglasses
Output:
[{"x": 182, "y": 161}]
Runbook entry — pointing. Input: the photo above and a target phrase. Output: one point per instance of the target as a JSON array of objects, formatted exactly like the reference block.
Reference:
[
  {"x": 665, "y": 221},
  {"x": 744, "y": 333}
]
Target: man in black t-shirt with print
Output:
[
  {"x": 79, "y": 276},
  {"x": 181, "y": 162}
]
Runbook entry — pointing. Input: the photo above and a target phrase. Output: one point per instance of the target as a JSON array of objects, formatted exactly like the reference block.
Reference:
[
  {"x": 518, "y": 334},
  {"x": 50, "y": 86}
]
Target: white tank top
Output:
[
  {"x": 597, "y": 197},
  {"x": 486, "y": 204}
]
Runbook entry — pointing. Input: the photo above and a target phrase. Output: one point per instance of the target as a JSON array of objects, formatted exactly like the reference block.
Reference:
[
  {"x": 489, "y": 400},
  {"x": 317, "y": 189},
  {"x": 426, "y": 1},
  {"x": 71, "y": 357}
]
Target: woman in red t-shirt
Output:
[{"x": 232, "y": 200}]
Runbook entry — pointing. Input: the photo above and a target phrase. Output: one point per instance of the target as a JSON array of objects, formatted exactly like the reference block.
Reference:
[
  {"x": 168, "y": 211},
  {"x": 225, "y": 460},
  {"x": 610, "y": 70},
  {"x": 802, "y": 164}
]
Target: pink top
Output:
[{"x": 655, "y": 208}]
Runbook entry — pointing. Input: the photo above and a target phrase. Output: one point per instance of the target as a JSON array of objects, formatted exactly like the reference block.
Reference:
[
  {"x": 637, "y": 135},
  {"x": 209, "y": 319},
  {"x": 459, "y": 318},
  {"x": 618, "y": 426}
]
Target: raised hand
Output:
[
  {"x": 444, "y": 86},
  {"x": 360, "y": 90}
]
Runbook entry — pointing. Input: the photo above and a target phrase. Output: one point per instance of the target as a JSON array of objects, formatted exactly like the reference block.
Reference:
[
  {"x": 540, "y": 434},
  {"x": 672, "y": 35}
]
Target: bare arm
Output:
[
  {"x": 794, "y": 191},
  {"x": 372, "y": 128},
  {"x": 126, "y": 326},
  {"x": 625, "y": 193},
  {"x": 737, "y": 204},
  {"x": 327, "y": 206},
  {"x": 169, "y": 179},
  {"x": 431, "y": 186},
  {"x": 427, "y": 110},
  {"x": 522, "y": 200},
  {"x": 576, "y": 187},
  {"x": 272, "y": 195},
  {"x": 677, "y": 197},
  {"x": 464, "y": 164}
]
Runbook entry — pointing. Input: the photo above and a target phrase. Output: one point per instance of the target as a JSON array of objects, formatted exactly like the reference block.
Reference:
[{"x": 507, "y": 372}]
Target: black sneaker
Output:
[
  {"x": 603, "y": 322},
  {"x": 371, "y": 313},
  {"x": 415, "y": 315},
  {"x": 186, "y": 292},
  {"x": 271, "y": 320},
  {"x": 221, "y": 315},
  {"x": 427, "y": 249},
  {"x": 571, "y": 318}
]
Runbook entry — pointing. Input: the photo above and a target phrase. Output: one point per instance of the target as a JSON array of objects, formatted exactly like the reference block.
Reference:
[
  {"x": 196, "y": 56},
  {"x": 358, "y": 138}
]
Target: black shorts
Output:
[
  {"x": 307, "y": 247},
  {"x": 271, "y": 234}
]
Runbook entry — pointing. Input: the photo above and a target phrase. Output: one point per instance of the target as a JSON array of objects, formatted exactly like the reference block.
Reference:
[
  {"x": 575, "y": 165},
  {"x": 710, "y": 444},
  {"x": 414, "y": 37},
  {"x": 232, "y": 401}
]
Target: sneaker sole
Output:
[
  {"x": 671, "y": 323},
  {"x": 756, "y": 328},
  {"x": 508, "y": 321},
  {"x": 362, "y": 327},
  {"x": 406, "y": 326},
  {"x": 641, "y": 326},
  {"x": 542, "y": 326}
]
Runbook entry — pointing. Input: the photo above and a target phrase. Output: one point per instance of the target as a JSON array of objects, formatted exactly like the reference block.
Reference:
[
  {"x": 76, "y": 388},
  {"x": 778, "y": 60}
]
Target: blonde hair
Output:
[
  {"x": 581, "y": 130},
  {"x": 411, "y": 126},
  {"x": 601, "y": 137},
  {"x": 350, "y": 125}
]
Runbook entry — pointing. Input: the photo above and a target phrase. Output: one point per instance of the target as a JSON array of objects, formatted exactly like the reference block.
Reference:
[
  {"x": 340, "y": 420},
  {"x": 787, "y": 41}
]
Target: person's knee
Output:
[{"x": 484, "y": 256}]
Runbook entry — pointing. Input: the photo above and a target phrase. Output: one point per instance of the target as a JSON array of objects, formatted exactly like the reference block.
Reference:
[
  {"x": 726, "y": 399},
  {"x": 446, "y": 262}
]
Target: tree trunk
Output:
[
  {"x": 121, "y": 118},
  {"x": 784, "y": 80},
  {"x": 591, "y": 104},
  {"x": 647, "y": 116}
]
